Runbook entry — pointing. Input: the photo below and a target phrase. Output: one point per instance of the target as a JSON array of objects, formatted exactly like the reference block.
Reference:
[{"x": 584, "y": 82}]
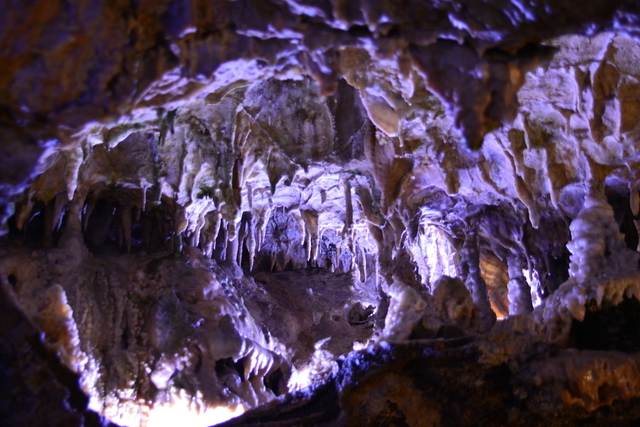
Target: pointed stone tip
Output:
[{"x": 474, "y": 138}]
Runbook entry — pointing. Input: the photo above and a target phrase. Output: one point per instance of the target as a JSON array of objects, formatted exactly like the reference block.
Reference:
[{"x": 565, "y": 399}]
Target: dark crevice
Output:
[
  {"x": 608, "y": 327},
  {"x": 262, "y": 264},
  {"x": 126, "y": 337},
  {"x": 558, "y": 272},
  {"x": 245, "y": 260},
  {"x": 275, "y": 382},
  {"x": 150, "y": 229},
  {"x": 226, "y": 366},
  {"x": 359, "y": 31},
  {"x": 239, "y": 367},
  {"x": 624, "y": 217},
  {"x": 38, "y": 230}
]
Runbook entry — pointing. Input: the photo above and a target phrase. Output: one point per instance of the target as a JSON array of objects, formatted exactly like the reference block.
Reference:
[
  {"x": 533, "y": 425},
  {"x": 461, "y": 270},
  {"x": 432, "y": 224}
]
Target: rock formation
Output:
[{"x": 324, "y": 212}]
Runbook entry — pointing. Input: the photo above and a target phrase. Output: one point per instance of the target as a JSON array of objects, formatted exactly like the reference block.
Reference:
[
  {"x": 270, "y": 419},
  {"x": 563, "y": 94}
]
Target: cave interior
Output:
[{"x": 319, "y": 213}]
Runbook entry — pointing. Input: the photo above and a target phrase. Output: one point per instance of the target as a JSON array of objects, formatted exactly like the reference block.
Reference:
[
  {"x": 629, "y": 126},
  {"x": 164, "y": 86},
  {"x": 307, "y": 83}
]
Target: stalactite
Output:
[
  {"x": 262, "y": 225},
  {"x": 310, "y": 218},
  {"x": 144, "y": 186},
  {"x": 265, "y": 168},
  {"x": 217, "y": 225},
  {"x": 23, "y": 214},
  {"x": 60, "y": 205},
  {"x": 362, "y": 265}
]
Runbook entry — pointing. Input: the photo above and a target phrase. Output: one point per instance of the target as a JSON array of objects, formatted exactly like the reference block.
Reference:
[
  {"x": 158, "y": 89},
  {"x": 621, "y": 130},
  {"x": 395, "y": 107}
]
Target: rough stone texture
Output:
[
  {"x": 445, "y": 383},
  {"x": 214, "y": 203},
  {"x": 37, "y": 389}
]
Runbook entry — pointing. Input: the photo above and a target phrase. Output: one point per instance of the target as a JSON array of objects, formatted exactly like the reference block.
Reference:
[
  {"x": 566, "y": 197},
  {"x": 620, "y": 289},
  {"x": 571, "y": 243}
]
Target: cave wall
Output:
[{"x": 212, "y": 204}]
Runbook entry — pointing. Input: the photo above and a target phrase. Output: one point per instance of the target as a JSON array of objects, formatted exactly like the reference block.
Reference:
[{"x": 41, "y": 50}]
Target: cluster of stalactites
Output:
[{"x": 314, "y": 220}]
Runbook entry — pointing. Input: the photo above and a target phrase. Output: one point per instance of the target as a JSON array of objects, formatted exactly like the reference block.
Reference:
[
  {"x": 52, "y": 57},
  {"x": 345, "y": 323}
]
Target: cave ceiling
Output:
[{"x": 322, "y": 212}]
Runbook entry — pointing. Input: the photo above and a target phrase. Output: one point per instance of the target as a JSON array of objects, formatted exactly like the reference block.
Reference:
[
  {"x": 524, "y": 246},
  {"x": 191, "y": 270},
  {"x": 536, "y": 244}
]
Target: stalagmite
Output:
[{"x": 597, "y": 247}]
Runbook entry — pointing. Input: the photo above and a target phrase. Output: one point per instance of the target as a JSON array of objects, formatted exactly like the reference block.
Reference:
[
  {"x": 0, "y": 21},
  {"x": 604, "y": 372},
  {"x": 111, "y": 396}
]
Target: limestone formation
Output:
[{"x": 320, "y": 212}]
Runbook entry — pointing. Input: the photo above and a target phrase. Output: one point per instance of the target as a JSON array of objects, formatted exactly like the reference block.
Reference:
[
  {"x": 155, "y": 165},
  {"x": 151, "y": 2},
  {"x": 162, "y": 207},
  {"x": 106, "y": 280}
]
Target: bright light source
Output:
[{"x": 181, "y": 411}]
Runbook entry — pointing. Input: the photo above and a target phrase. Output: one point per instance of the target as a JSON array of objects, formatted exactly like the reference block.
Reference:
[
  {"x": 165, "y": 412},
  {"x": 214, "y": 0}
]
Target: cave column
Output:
[
  {"x": 518, "y": 288},
  {"x": 474, "y": 281}
]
